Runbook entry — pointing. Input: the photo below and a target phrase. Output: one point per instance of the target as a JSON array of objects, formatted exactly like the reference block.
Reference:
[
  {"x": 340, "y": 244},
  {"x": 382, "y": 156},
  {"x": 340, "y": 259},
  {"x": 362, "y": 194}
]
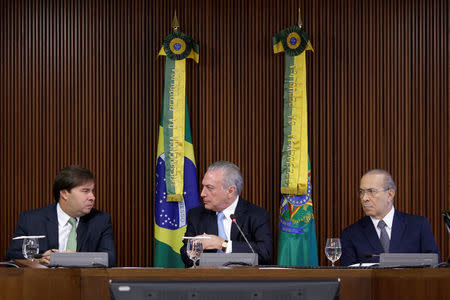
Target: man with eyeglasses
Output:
[{"x": 384, "y": 229}]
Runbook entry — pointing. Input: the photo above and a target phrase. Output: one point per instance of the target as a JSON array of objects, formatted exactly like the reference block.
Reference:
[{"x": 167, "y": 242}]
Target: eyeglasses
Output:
[{"x": 370, "y": 192}]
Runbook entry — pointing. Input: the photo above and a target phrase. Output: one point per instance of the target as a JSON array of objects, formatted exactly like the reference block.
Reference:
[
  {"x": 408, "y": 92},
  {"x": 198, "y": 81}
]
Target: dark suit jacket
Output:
[
  {"x": 94, "y": 232},
  {"x": 410, "y": 234},
  {"x": 253, "y": 220}
]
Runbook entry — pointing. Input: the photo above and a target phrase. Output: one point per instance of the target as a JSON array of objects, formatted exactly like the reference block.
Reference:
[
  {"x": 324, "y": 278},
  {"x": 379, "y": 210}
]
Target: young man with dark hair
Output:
[{"x": 71, "y": 223}]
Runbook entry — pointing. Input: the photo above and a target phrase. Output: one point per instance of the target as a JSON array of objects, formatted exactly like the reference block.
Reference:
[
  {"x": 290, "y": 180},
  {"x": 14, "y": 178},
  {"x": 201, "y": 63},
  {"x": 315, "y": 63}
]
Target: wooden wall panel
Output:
[{"x": 81, "y": 84}]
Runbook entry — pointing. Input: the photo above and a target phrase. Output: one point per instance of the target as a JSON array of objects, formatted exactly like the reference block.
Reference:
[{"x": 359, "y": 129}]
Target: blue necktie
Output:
[
  {"x": 221, "y": 229},
  {"x": 384, "y": 237}
]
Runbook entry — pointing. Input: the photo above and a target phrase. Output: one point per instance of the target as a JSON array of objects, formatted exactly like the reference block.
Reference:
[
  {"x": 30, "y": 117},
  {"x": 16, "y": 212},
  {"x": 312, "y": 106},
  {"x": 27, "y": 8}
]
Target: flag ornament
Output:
[
  {"x": 293, "y": 40},
  {"x": 296, "y": 212},
  {"x": 294, "y": 168},
  {"x": 297, "y": 243},
  {"x": 177, "y": 47}
]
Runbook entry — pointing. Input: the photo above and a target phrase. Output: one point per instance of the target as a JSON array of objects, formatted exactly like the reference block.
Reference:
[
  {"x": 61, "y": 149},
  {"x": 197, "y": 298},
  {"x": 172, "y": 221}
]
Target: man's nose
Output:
[
  {"x": 365, "y": 197},
  {"x": 202, "y": 194}
]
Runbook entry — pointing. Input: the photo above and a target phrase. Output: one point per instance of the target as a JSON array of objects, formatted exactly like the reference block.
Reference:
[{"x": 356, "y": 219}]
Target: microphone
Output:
[{"x": 233, "y": 219}]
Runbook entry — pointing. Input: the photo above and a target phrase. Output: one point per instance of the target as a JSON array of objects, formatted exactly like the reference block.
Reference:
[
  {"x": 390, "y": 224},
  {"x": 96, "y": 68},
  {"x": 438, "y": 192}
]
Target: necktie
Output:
[
  {"x": 72, "y": 240},
  {"x": 384, "y": 238},
  {"x": 221, "y": 229}
]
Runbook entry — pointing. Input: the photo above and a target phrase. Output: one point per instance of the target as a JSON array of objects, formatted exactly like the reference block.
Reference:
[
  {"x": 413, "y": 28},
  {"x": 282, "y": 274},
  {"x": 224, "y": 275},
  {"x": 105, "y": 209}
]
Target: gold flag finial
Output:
[
  {"x": 175, "y": 24},
  {"x": 300, "y": 23}
]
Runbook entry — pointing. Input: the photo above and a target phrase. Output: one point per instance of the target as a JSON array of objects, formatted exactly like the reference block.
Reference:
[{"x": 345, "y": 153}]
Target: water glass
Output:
[
  {"x": 333, "y": 249},
  {"x": 30, "y": 247},
  {"x": 194, "y": 249}
]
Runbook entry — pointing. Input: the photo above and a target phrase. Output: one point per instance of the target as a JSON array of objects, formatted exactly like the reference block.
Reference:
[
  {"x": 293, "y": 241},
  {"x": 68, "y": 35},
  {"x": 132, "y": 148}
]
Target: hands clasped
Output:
[
  {"x": 44, "y": 258},
  {"x": 214, "y": 242}
]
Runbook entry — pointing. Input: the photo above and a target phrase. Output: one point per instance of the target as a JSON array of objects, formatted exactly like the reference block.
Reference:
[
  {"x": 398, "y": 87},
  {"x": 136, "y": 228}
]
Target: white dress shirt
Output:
[
  {"x": 388, "y": 219},
  {"x": 64, "y": 228},
  {"x": 227, "y": 223}
]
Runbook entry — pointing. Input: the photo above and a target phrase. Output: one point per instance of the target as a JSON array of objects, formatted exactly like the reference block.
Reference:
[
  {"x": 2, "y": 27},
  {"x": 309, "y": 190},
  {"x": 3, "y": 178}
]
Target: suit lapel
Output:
[
  {"x": 210, "y": 224},
  {"x": 81, "y": 232},
  {"x": 398, "y": 228},
  {"x": 371, "y": 235},
  {"x": 241, "y": 218},
  {"x": 52, "y": 228}
]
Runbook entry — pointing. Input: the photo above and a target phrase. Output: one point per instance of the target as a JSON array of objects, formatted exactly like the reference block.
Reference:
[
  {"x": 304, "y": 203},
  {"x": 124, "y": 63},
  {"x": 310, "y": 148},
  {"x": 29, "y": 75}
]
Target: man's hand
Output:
[
  {"x": 45, "y": 259},
  {"x": 214, "y": 242}
]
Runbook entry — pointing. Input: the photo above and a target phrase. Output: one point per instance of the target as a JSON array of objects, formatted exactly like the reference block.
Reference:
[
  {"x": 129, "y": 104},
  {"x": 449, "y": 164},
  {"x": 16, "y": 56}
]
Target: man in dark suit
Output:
[
  {"x": 222, "y": 185},
  {"x": 70, "y": 224},
  {"x": 384, "y": 229}
]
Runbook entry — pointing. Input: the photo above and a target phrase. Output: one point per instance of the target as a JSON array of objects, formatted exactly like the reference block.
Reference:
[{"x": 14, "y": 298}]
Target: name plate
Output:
[
  {"x": 228, "y": 259},
  {"x": 408, "y": 259},
  {"x": 79, "y": 259}
]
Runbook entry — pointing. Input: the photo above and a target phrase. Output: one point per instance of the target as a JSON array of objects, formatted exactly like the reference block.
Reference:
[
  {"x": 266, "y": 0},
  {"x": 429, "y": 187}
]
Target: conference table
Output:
[{"x": 33, "y": 281}]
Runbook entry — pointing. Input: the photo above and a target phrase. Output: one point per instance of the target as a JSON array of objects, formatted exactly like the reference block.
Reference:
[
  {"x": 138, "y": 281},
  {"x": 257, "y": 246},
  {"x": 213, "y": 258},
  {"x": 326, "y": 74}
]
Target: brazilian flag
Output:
[
  {"x": 297, "y": 244},
  {"x": 176, "y": 176}
]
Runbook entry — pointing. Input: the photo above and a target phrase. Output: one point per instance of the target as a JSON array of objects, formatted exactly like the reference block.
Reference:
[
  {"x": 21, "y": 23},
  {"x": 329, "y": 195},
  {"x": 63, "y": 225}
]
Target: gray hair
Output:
[
  {"x": 388, "y": 180},
  {"x": 231, "y": 175}
]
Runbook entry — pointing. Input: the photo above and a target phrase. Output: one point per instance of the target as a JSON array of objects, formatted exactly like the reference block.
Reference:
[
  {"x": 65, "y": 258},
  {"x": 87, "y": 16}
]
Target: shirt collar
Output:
[
  {"x": 388, "y": 219},
  {"x": 63, "y": 218},
  {"x": 230, "y": 209}
]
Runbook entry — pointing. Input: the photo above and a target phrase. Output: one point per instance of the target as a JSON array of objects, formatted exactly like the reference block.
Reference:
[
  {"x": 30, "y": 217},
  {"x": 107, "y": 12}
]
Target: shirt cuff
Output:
[{"x": 229, "y": 247}]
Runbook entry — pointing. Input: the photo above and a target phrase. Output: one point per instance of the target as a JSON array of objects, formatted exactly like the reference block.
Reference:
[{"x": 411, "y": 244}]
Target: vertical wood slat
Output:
[{"x": 80, "y": 83}]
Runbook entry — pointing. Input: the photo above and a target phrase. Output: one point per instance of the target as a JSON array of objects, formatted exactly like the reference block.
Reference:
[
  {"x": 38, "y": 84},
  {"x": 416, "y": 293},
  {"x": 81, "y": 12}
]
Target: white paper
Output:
[
  {"x": 364, "y": 265},
  {"x": 29, "y": 237}
]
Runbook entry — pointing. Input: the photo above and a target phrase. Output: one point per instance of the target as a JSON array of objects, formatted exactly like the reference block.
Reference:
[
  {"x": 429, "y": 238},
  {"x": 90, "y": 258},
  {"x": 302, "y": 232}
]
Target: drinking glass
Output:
[
  {"x": 194, "y": 249},
  {"x": 333, "y": 249},
  {"x": 30, "y": 247}
]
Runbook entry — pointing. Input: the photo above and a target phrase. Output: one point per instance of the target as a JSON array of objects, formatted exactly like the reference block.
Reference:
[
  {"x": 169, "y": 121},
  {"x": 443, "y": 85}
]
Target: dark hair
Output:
[{"x": 70, "y": 177}]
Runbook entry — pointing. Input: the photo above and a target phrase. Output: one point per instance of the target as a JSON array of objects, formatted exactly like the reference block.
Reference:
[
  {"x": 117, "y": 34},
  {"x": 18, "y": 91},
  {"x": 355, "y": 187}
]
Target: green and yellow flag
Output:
[
  {"x": 176, "y": 175},
  {"x": 297, "y": 245}
]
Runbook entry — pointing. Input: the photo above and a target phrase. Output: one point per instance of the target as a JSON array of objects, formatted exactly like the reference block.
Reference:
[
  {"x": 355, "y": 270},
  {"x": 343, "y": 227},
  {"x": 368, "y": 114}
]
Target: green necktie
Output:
[{"x": 72, "y": 240}]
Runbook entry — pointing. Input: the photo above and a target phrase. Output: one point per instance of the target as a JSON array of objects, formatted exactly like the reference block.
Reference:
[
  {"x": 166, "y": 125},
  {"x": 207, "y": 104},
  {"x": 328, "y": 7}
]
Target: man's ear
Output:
[
  {"x": 63, "y": 194},
  {"x": 391, "y": 193},
  {"x": 231, "y": 190}
]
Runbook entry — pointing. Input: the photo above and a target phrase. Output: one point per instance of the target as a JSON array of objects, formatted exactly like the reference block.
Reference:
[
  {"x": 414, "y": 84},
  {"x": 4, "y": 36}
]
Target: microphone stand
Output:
[{"x": 233, "y": 219}]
